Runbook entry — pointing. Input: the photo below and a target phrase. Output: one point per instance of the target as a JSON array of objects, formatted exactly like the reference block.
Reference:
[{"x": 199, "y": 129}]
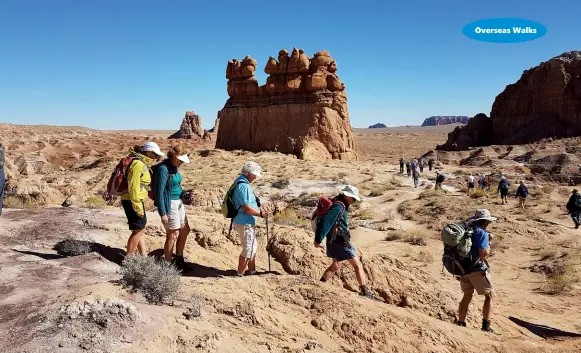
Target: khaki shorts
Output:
[
  {"x": 176, "y": 217},
  {"x": 481, "y": 281},
  {"x": 247, "y": 235}
]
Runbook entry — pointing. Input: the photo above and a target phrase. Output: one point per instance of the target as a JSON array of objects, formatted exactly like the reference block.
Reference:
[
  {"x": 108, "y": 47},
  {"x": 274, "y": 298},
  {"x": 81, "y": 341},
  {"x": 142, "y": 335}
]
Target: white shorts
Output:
[
  {"x": 247, "y": 235},
  {"x": 176, "y": 217}
]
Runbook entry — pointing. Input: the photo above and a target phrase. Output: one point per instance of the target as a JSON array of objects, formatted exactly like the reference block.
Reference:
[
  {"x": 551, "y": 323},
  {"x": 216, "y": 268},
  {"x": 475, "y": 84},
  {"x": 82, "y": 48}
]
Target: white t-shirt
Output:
[{"x": 470, "y": 179}]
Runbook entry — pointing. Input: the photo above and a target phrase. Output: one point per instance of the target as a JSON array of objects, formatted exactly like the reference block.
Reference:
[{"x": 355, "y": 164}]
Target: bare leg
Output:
[
  {"x": 141, "y": 247},
  {"x": 464, "y": 304},
  {"x": 358, "y": 267},
  {"x": 242, "y": 263},
  {"x": 169, "y": 243},
  {"x": 133, "y": 241},
  {"x": 330, "y": 271},
  {"x": 487, "y": 308},
  {"x": 252, "y": 264},
  {"x": 182, "y": 238}
]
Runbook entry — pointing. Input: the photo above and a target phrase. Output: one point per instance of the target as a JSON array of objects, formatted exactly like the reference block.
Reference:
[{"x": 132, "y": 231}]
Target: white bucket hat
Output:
[
  {"x": 351, "y": 191},
  {"x": 252, "y": 168},
  {"x": 184, "y": 158},
  {"x": 482, "y": 214},
  {"x": 152, "y": 147}
]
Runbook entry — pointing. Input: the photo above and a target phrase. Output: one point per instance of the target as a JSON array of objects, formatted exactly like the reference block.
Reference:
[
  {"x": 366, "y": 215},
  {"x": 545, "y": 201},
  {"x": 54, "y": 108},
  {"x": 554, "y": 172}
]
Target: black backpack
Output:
[{"x": 577, "y": 201}]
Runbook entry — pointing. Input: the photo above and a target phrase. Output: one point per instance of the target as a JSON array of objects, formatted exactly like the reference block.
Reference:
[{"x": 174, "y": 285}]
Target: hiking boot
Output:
[
  {"x": 179, "y": 262},
  {"x": 250, "y": 273},
  {"x": 576, "y": 226},
  {"x": 486, "y": 326},
  {"x": 460, "y": 323}
]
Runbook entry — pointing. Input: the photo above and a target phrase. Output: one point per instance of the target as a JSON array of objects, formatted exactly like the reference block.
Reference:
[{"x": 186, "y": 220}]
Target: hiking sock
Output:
[{"x": 486, "y": 326}]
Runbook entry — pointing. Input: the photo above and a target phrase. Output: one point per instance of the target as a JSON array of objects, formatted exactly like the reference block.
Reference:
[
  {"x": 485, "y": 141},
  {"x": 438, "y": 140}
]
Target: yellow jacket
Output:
[{"x": 138, "y": 180}]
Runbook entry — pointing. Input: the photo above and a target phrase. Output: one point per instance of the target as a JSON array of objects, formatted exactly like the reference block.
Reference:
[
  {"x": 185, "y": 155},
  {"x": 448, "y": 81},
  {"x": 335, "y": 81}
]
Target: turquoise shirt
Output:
[
  {"x": 244, "y": 195},
  {"x": 175, "y": 184}
]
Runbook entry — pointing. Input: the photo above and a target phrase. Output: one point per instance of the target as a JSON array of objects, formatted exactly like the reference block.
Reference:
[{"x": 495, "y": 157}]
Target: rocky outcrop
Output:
[
  {"x": 191, "y": 127},
  {"x": 214, "y": 130},
  {"x": 301, "y": 110},
  {"x": 544, "y": 103},
  {"x": 377, "y": 126},
  {"x": 445, "y": 120}
]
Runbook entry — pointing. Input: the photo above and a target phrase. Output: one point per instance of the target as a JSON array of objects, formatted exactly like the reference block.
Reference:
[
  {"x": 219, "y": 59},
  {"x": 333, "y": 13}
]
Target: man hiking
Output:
[
  {"x": 408, "y": 167},
  {"x": 522, "y": 193},
  {"x": 333, "y": 226},
  {"x": 416, "y": 176},
  {"x": 421, "y": 162},
  {"x": 2, "y": 176},
  {"x": 470, "y": 183},
  {"x": 430, "y": 164},
  {"x": 401, "y": 163},
  {"x": 439, "y": 180},
  {"x": 574, "y": 207},
  {"x": 477, "y": 277},
  {"x": 246, "y": 202},
  {"x": 503, "y": 187}
]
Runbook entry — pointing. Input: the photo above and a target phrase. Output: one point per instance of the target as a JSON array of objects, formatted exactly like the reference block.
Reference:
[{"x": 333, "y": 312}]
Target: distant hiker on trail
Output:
[
  {"x": 416, "y": 177},
  {"x": 414, "y": 165},
  {"x": 167, "y": 188},
  {"x": 138, "y": 181},
  {"x": 481, "y": 181},
  {"x": 439, "y": 180},
  {"x": 522, "y": 193},
  {"x": 486, "y": 182},
  {"x": 2, "y": 176},
  {"x": 334, "y": 226},
  {"x": 470, "y": 183},
  {"x": 408, "y": 168},
  {"x": 247, "y": 207},
  {"x": 475, "y": 267},
  {"x": 401, "y": 163},
  {"x": 574, "y": 207},
  {"x": 421, "y": 162},
  {"x": 503, "y": 187},
  {"x": 431, "y": 164}
]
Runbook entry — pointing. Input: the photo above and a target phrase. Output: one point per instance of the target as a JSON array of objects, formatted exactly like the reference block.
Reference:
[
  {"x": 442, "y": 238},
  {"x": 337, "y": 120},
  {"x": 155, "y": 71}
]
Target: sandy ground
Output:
[{"x": 286, "y": 310}]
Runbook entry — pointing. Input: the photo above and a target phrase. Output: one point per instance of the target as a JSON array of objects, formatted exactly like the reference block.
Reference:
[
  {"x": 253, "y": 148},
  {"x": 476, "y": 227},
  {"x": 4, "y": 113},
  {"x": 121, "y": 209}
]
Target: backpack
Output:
[
  {"x": 151, "y": 192},
  {"x": 117, "y": 184},
  {"x": 577, "y": 202},
  {"x": 229, "y": 210},
  {"x": 323, "y": 206},
  {"x": 440, "y": 178},
  {"x": 504, "y": 185},
  {"x": 457, "y": 239}
]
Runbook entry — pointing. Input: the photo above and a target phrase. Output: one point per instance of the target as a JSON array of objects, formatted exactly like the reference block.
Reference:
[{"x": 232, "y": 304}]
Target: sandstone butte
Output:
[
  {"x": 191, "y": 127},
  {"x": 544, "y": 103},
  {"x": 445, "y": 120},
  {"x": 301, "y": 110}
]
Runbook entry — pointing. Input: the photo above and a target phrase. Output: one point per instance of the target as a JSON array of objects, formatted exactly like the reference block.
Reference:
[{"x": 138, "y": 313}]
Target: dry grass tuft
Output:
[
  {"x": 158, "y": 281},
  {"x": 289, "y": 217},
  {"x": 425, "y": 257},
  {"x": 95, "y": 202},
  {"x": 364, "y": 214},
  {"x": 477, "y": 193},
  {"x": 17, "y": 202},
  {"x": 414, "y": 237}
]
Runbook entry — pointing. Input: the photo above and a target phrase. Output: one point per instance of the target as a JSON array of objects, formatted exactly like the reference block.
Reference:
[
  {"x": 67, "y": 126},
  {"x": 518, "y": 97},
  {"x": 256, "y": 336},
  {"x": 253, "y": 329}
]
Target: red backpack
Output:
[
  {"x": 323, "y": 206},
  {"x": 117, "y": 184}
]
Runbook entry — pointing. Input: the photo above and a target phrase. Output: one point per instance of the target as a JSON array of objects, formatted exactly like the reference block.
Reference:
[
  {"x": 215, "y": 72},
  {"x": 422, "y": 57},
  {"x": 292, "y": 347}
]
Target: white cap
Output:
[
  {"x": 351, "y": 191},
  {"x": 184, "y": 158},
  {"x": 252, "y": 168},
  {"x": 152, "y": 147}
]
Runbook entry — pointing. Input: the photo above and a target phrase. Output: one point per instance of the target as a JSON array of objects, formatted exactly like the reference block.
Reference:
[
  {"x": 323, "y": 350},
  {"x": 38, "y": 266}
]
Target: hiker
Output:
[
  {"x": 408, "y": 168},
  {"x": 2, "y": 176},
  {"x": 421, "y": 165},
  {"x": 414, "y": 165},
  {"x": 481, "y": 181},
  {"x": 478, "y": 277},
  {"x": 167, "y": 189},
  {"x": 248, "y": 208},
  {"x": 138, "y": 180},
  {"x": 401, "y": 163},
  {"x": 486, "y": 182},
  {"x": 439, "y": 180},
  {"x": 574, "y": 207},
  {"x": 503, "y": 187},
  {"x": 522, "y": 193},
  {"x": 470, "y": 183},
  {"x": 416, "y": 177},
  {"x": 430, "y": 164},
  {"x": 333, "y": 225}
]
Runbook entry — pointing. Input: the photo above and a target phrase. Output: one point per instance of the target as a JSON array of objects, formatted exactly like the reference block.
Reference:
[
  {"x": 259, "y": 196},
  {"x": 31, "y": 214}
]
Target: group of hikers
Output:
[
  {"x": 503, "y": 188},
  {"x": 415, "y": 167}
]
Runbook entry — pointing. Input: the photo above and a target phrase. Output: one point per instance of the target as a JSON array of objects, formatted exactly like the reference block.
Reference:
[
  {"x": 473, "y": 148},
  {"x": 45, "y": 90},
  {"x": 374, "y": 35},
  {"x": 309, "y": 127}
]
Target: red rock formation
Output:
[
  {"x": 301, "y": 110},
  {"x": 544, "y": 102},
  {"x": 191, "y": 127}
]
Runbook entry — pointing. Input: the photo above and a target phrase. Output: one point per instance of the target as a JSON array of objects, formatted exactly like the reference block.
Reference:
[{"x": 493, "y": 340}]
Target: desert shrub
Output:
[
  {"x": 561, "y": 275},
  {"x": 281, "y": 184},
  {"x": 395, "y": 182},
  {"x": 563, "y": 191},
  {"x": 364, "y": 214},
  {"x": 18, "y": 202},
  {"x": 477, "y": 193},
  {"x": 341, "y": 175},
  {"x": 379, "y": 189},
  {"x": 195, "y": 307},
  {"x": 548, "y": 189},
  {"x": 95, "y": 202},
  {"x": 425, "y": 257},
  {"x": 289, "y": 217},
  {"x": 73, "y": 247},
  {"x": 157, "y": 281},
  {"x": 392, "y": 236}
]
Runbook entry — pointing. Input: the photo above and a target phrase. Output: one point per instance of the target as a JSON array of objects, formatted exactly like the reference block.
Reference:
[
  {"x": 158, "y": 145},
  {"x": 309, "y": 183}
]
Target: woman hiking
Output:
[
  {"x": 522, "y": 193},
  {"x": 503, "y": 187},
  {"x": 138, "y": 181},
  {"x": 168, "y": 191},
  {"x": 333, "y": 225}
]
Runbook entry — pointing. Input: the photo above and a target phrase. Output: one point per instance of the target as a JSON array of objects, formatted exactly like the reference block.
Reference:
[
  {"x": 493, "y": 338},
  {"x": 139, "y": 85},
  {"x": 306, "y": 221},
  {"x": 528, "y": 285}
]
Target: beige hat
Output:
[
  {"x": 482, "y": 214},
  {"x": 351, "y": 191}
]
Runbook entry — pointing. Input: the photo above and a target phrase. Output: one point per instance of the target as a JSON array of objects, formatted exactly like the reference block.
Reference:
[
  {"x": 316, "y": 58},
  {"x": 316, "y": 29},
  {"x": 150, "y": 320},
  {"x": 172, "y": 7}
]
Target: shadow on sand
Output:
[{"x": 543, "y": 331}]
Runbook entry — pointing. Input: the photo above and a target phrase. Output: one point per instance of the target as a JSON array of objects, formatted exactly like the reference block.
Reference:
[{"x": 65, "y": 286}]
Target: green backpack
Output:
[{"x": 457, "y": 239}]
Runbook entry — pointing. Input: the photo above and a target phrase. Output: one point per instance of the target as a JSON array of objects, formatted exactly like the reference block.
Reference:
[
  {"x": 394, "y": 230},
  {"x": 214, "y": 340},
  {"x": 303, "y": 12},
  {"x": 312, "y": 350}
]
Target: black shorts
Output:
[
  {"x": 341, "y": 250},
  {"x": 470, "y": 185},
  {"x": 133, "y": 220},
  {"x": 503, "y": 192}
]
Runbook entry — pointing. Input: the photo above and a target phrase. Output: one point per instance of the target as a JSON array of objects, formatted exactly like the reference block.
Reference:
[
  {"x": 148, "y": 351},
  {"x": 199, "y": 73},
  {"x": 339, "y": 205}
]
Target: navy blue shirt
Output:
[{"x": 479, "y": 241}]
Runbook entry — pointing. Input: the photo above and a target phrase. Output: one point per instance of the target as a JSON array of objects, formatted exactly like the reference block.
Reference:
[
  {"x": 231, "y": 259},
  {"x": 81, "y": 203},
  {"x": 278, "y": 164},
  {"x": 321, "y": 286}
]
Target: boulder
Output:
[{"x": 191, "y": 127}]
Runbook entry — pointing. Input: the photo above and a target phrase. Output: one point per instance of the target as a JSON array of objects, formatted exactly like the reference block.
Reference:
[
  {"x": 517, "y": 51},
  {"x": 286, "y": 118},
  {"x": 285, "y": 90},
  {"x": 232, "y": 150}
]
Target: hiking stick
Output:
[{"x": 267, "y": 245}]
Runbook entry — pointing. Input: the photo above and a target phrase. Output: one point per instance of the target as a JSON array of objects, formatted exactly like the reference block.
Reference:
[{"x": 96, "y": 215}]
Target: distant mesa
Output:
[
  {"x": 191, "y": 127},
  {"x": 445, "y": 120},
  {"x": 301, "y": 110},
  {"x": 377, "y": 126},
  {"x": 544, "y": 103}
]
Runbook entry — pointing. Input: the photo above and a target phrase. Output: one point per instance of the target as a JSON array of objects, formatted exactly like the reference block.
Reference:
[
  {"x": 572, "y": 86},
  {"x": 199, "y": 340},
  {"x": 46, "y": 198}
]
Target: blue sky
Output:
[{"x": 141, "y": 64}]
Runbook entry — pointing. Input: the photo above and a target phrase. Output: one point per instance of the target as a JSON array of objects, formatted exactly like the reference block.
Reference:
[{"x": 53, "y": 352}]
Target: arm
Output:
[
  {"x": 327, "y": 222},
  {"x": 481, "y": 238},
  {"x": 484, "y": 253},
  {"x": 134, "y": 186},
  {"x": 242, "y": 196},
  {"x": 159, "y": 189}
]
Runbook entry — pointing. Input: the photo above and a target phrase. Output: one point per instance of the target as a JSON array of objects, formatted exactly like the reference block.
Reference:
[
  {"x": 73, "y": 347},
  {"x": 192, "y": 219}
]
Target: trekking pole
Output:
[{"x": 267, "y": 245}]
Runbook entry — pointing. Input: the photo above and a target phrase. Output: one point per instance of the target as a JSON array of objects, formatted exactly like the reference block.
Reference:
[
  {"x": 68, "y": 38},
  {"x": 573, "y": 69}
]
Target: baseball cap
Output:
[
  {"x": 351, "y": 191},
  {"x": 252, "y": 168},
  {"x": 184, "y": 158},
  {"x": 152, "y": 147}
]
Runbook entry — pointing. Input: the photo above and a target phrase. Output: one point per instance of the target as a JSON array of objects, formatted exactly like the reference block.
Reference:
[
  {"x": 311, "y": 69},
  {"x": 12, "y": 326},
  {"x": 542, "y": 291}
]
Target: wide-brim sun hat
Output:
[
  {"x": 351, "y": 191},
  {"x": 153, "y": 147},
  {"x": 252, "y": 168},
  {"x": 184, "y": 158},
  {"x": 482, "y": 214}
]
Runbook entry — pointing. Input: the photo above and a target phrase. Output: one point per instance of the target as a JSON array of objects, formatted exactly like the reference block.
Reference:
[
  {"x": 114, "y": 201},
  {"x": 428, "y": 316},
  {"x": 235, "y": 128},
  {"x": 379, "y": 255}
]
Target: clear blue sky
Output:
[{"x": 141, "y": 64}]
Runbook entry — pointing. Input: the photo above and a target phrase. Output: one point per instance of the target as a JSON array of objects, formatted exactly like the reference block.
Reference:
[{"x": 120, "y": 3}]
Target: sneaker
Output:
[
  {"x": 487, "y": 329},
  {"x": 250, "y": 273},
  {"x": 460, "y": 323}
]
